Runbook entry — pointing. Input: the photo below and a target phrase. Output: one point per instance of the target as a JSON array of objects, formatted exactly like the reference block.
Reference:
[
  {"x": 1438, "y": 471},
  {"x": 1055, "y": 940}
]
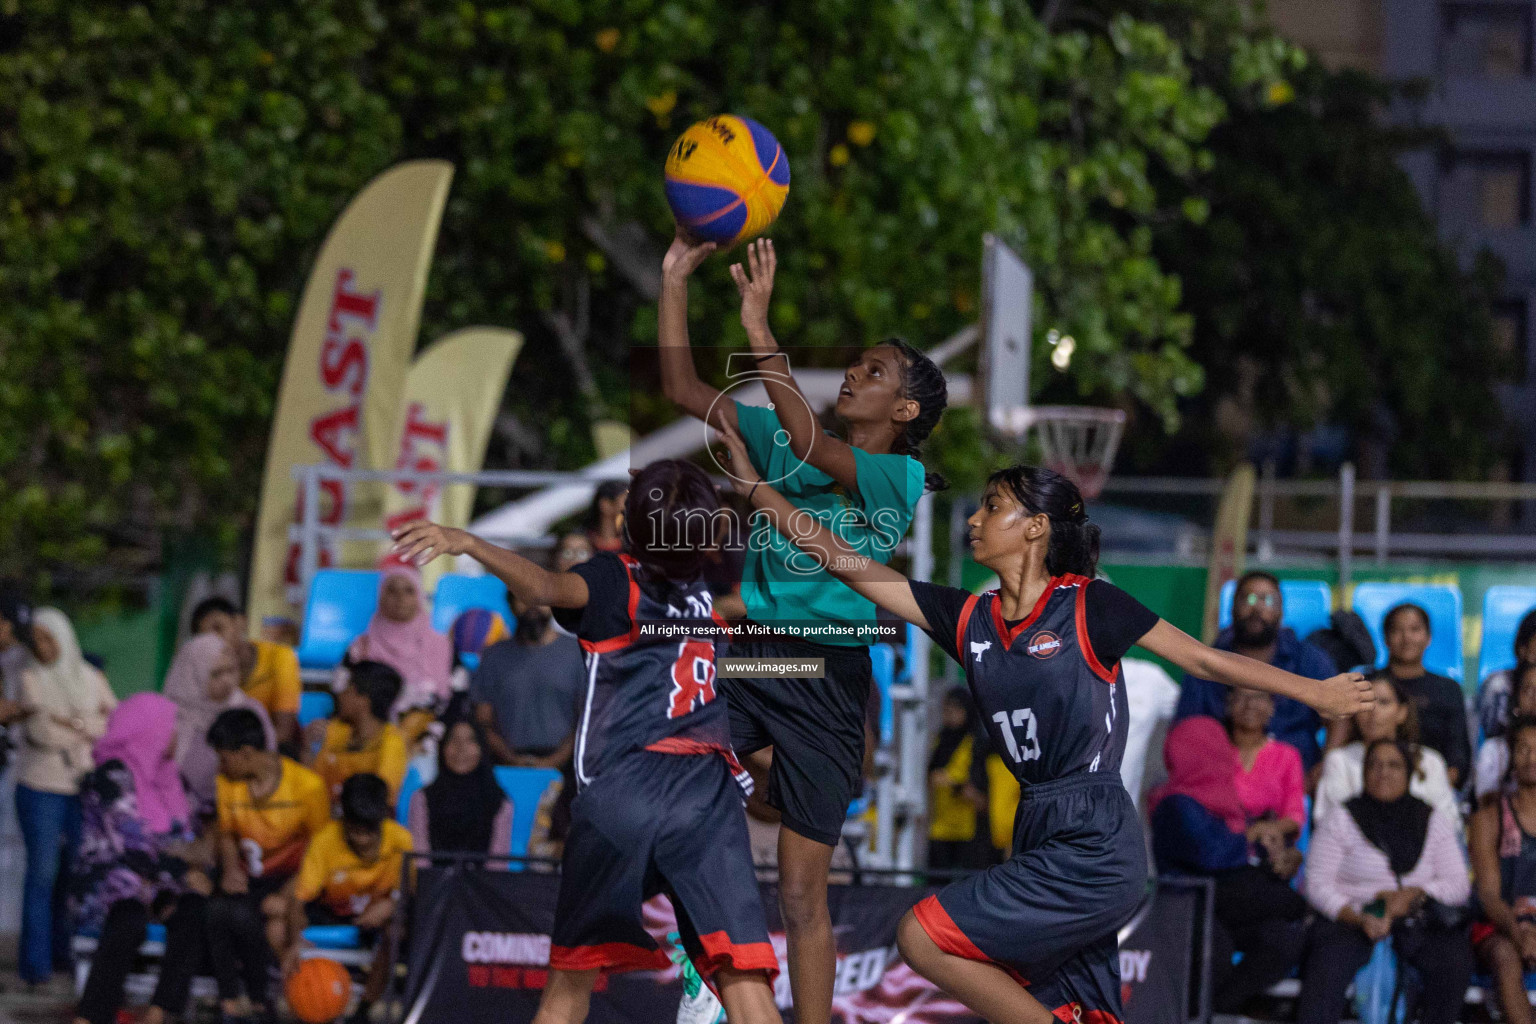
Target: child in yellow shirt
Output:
[
  {"x": 269, "y": 809},
  {"x": 360, "y": 739},
  {"x": 351, "y": 875}
]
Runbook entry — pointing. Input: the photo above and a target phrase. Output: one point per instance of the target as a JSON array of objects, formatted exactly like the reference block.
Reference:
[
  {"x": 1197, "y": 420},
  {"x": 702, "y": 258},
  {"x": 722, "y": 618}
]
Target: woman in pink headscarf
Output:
[
  {"x": 136, "y": 861},
  {"x": 204, "y": 682},
  {"x": 401, "y": 636}
]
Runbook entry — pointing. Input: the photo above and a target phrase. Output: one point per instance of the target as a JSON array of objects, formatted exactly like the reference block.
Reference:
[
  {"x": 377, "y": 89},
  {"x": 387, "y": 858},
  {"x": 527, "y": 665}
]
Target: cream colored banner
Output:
[
  {"x": 339, "y": 402},
  {"x": 1229, "y": 543},
  {"x": 452, "y": 394}
]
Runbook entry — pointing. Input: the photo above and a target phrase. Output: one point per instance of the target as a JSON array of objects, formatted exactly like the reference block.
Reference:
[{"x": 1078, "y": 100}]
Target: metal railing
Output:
[{"x": 1344, "y": 542}]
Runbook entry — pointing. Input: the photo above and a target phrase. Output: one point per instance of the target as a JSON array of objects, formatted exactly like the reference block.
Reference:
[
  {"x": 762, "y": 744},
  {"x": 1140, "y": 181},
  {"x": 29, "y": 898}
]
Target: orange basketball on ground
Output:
[{"x": 318, "y": 991}]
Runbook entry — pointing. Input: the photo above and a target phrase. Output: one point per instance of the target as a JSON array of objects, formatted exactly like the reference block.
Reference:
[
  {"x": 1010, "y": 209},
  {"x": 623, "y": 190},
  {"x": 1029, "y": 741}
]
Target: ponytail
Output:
[
  {"x": 923, "y": 382},
  {"x": 1074, "y": 546}
]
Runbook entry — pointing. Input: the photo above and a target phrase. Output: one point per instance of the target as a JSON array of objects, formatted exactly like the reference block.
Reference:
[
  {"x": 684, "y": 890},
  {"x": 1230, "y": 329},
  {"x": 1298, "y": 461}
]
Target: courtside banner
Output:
[
  {"x": 452, "y": 393},
  {"x": 479, "y": 950},
  {"x": 339, "y": 401}
]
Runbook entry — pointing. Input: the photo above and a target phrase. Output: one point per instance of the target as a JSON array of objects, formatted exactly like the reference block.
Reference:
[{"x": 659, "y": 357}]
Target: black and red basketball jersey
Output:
[
  {"x": 646, "y": 693},
  {"x": 1050, "y": 707}
]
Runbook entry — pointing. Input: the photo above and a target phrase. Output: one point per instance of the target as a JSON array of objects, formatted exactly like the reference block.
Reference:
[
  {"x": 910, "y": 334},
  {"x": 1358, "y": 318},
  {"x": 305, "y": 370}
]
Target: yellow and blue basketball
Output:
[{"x": 726, "y": 179}]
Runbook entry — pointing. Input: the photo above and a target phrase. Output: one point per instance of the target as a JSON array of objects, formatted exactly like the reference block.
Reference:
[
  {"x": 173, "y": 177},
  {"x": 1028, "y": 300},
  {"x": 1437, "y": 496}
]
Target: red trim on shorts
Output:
[
  {"x": 941, "y": 928},
  {"x": 962, "y": 623},
  {"x": 613, "y": 957},
  {"x": 1010, "y": 635},
  {"x": 1482, "y": 931},
  {"x": 720, "y": 951},
  {"x": 1083, "y": 644},
  {"x": 623, "y": 639}
]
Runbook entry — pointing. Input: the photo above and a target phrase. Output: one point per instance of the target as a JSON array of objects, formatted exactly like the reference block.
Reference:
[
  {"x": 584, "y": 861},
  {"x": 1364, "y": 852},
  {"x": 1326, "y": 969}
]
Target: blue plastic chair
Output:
[
  {"x": 882, "y": 658},
  {"x": 341, "y": 601},
  {"x": 408, "y": 787},
  {"x": 315, "y": 705},
  {"x": 1307, "y": 605},
  {"x": 333, "y": 936},
  {"x": 1503, "y": 608},
  {"x": 525, "y": 787},
  {"x": 1440, "y": 600},
  {"x": 457, "y": 594}
]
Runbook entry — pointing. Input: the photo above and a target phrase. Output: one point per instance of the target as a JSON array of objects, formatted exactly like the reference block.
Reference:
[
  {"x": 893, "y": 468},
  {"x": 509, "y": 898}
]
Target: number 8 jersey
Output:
[
  {"x": 644, "y": 692},
  {"x": 1052, "y": 708}
]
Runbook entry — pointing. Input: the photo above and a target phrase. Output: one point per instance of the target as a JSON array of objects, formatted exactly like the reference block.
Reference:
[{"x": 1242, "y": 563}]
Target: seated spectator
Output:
[
  {"x": 269, "y": 809},
  {"x": 1256, "y": 633},
  {"x": 351, "y": 876},
  {"x": 1199, "y": 828},
  {"x": 204, "y": 681},
  {"x": 573, "y": 549},
  {"x": 1504, "y": 864},
  {"x": 1386, "y": 864},
  {"x": 603, "y": 515},
  {"x": 67, "y": 702},
  {"x": 135, "y": 864},
  {"x": 956, "y": 786},
  {"x": 1492, "y": 774},
  {"x": 269, "y": 672},
  {"x": 1392, "y": 717},
  {"x": 400, "y": 635},
  {"x": 526, "y": 692},
  {"x": 1442, "y": 710},
  {"x": 1269, "y": 780},
  {"x": 360, "y": 740},
  {"x": 1496, "y": 693},
  {"x": 464, "y": 809}
]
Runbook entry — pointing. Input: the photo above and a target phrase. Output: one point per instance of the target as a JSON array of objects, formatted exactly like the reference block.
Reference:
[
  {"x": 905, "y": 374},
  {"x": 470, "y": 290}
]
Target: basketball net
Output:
[{"x": 1079, "y": 442}]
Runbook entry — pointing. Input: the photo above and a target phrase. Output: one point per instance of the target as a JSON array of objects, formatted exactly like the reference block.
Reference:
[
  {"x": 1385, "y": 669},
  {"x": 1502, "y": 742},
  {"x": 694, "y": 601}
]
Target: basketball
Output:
[
  {"x": 726, "y": 179},
  {"x": 318, "y": 991}
]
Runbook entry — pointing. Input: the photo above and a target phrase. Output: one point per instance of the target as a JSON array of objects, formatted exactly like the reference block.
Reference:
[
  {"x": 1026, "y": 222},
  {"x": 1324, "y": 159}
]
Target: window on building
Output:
[
  {"x": 1486, "y": 39},
  {"x": 1509, "y": 337},
  {"x": 1487, "y": 190}
]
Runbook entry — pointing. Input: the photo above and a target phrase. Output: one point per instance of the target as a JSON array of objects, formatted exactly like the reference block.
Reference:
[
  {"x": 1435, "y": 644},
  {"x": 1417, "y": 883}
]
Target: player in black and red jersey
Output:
[
  {"x": 1033, "y": 940},
  {"x": 658, "y": 808}
]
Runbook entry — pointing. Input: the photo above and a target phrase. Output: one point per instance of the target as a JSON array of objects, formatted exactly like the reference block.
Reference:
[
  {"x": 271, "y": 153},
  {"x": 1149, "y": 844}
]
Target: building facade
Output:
[{"x": 1475, "y": 61}]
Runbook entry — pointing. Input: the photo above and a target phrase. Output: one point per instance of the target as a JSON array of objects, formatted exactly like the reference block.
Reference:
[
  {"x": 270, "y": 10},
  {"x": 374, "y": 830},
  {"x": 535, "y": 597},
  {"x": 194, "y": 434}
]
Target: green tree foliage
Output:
[
  {"x": 170, "y": 167},
  {"x": 1320, "y": 289}
]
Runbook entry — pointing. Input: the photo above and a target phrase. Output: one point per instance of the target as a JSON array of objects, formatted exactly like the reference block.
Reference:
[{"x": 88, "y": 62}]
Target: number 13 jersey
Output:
[{"x": 1052, "y": 706}]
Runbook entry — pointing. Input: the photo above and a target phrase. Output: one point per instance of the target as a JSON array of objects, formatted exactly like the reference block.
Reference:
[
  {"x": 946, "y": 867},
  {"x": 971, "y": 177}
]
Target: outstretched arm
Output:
[
  {"x": 832, "y": 455},
  {"x": 420, "y": 542},
  {"x": 680, "y": 381},
  {"x": 1344, "y": 694},
  {"x": 880, "y": 583}
]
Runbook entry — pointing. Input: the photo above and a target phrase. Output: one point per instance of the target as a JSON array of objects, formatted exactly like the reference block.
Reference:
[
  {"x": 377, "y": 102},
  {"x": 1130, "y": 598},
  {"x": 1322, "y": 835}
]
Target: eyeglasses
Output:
[{"x": 1267, "y": 600}]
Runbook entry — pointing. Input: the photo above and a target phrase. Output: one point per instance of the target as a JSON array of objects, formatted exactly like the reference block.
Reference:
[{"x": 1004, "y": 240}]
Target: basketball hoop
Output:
[{"x": 1077, "y": 441}]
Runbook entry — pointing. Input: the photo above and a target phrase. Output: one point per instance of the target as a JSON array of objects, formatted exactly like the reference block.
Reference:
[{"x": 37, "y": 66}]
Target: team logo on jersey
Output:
[
  {"x": 1043, "y": 644},
  {"x": 978, "y": 649}
]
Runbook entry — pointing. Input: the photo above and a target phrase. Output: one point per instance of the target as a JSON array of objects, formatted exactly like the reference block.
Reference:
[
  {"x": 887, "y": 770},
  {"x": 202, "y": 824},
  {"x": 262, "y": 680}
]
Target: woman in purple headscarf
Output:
[{"x": 138, "y": 862}]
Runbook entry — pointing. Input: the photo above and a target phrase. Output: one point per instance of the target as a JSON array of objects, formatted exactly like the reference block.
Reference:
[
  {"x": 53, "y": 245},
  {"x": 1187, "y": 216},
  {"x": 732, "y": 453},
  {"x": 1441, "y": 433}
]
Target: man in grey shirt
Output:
[{"x": 526, "y": 692}]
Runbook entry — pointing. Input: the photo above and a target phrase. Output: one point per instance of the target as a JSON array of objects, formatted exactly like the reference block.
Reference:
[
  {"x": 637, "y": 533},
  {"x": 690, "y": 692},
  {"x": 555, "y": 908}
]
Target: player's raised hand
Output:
[
  {"x": 1343, "y": 695},
  {"x": 755, "y": 282},
  {"x": 421, "y": 541},
  {"x": 684, "y": 255}
]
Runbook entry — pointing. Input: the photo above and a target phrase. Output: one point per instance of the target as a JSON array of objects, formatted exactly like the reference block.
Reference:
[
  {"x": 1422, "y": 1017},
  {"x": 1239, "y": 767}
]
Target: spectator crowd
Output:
[{"x": 208, "y": 808}]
